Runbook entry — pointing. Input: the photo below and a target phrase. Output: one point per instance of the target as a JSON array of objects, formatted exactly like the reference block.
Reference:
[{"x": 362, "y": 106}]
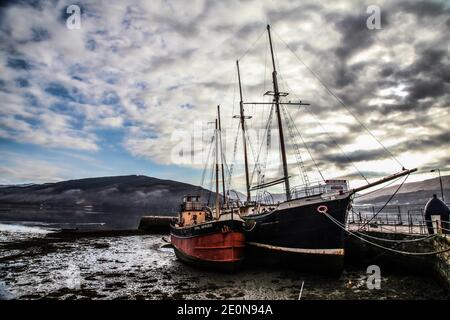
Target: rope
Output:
[
  {"x": 384, "y": 206},
  {"x": 299, "y": 160},
  {"x": 383, "y": 247},
  {"x": 390, "y": 240},
  {"x": 247, "y": 137},
  {"x": 397, "y": 241},
  {"x": 211, "y": 178},
  {"x": 234, "y": 93},
  {"x": 304, "y": 143},
  {"x": 252, "y": 45},
  {"x": 206, "y": 164},
  {"x": 251, "y": 228},
  {"x": 324, "y": 131},
  {"x": 264, "y": 139},
  {"x": 340, "y": 101},
  {"x": 385, "y": 186},
  {"x": 231, "y": 170}
]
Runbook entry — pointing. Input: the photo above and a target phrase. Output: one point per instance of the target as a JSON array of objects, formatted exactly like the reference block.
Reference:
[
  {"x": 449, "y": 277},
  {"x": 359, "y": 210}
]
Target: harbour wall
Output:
[
  {"x": 159, "y": 224},
  {"x": 360, "y": 253}
]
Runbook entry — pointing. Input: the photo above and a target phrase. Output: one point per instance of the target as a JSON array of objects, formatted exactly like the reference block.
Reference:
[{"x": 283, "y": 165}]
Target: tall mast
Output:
[
  {"x": 225, "y": 203},
  {"x": 276, "y": 99},
  {"x": 244, "y": 142},
  {"x": 217, "y": 175}
]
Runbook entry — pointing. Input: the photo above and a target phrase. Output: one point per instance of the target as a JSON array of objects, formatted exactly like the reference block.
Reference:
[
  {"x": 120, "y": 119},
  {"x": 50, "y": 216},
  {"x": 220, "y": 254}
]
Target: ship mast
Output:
[
  {"x": 217, "y": 174},
  {"x": 276, "y": 100},
  {"x": 244, "y": 142},
  {"x": 225, "y": 202}
]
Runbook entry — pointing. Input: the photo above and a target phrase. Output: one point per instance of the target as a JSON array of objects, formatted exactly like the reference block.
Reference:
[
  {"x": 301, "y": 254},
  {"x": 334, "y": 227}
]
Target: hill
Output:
[
  {"x": 410, "y": 193},
  {"x": 133, "y": 191}
]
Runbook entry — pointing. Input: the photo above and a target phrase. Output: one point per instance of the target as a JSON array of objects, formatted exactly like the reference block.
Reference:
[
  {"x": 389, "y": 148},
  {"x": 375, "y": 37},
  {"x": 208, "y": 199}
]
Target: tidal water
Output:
[
  {"x": 33, "y": 266},
  {"x": 75, "y": 217}
]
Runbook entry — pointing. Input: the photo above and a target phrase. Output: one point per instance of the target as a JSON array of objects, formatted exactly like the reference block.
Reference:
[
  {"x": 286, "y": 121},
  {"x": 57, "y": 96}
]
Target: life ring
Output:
[{"x": 322, "y": 209}]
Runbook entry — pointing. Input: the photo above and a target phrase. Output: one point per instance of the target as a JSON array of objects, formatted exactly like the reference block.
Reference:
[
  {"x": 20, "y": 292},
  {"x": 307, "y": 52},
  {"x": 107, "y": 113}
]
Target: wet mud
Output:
[{"x": 34, "y": 266}]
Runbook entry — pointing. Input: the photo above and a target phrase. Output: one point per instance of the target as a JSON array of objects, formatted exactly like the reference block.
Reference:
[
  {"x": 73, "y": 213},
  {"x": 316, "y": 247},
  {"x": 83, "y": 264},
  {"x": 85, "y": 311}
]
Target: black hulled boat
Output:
[{"x": 306, "y": 231}]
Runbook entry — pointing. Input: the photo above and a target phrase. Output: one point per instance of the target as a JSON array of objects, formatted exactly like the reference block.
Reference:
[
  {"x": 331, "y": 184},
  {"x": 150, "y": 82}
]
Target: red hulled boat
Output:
[
  {"x": 206, "y": 237},
  {"x": 201, "y": 240}
]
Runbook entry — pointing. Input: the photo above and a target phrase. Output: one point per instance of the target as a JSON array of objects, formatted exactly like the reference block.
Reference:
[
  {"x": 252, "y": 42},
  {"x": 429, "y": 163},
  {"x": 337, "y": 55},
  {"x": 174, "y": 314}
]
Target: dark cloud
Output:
[
  {"x": 431, "y": 63},
  {"x": 40, "y": 34},
  {"x": 342, "y": 161},
  {"x": 436, "y": 142},
  {"x": 22, "y": 82},
  {"x": 297, "y": 14},
  {"x": 355, "y": 35},
  {"x": 420, "y": 89},
  {"x": 367, "y": 174},
  {"x": 19, "y": 64},
  {"x": 442, "y": 164},
  {"x": 58, "y": 90},
  {"x": 424, "y": 144},
  {"x": 427, "y": 8}
]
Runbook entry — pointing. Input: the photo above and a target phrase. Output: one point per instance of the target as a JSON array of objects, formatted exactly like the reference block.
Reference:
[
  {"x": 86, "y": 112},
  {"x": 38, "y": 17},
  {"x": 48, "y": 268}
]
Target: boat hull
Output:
[
  {"x": 218, "y": 245},
  {"x": 298, "y": 236}
]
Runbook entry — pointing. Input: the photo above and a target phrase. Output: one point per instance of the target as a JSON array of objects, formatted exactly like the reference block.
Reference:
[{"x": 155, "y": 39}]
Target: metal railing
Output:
[
  {"x": 395, "y": 218},
  {"x": 302, "y": 191},
  {"x": 194, "y": 206}
]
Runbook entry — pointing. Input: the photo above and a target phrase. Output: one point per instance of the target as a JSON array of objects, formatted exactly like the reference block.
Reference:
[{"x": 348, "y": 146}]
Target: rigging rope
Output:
[
  {"x": 266, "y": 131},
  {"x": 306, "y": 146},
  {"x": 247, "y": 137},
  {"x": 258, "y": 168},
  {"x": 211, "y": 178},
  {"x": 206, "y": 163},
  {"x": 390, "y": 198},
  {"x": 234, "y": 157},
  {"x": 298, "y": 156},
  {"x": 252, "y": 45},
  {"x": 324, "y": 131},
  {"x": 373, "y": 191},
  {"x": 339, "y": 100},
  {"x": 304, "y": 143}
]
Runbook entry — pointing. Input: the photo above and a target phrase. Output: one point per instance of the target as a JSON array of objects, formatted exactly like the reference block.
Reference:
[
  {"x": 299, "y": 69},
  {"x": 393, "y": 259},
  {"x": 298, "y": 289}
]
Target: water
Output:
[
  {"x": 145, "y": 267},
  {"x": 81, "y": 217}
]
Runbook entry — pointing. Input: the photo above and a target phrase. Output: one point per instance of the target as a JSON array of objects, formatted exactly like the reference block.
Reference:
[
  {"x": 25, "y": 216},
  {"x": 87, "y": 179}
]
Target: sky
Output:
[{"x": 134, "y": 89}]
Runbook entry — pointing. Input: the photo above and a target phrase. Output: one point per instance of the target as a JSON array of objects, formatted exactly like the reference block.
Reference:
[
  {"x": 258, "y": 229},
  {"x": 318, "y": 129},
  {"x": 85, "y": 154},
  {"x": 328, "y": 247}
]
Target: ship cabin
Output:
[{"x": 191, "y": 211}]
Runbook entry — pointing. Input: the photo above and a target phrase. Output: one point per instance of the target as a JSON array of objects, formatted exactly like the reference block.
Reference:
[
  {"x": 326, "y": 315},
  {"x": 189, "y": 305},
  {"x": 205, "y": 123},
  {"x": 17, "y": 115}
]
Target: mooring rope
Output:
[
  {"x": 397, "y": 241},
  {"x": 383, "y": 247},
  {"x": 376, "y": 190},
  {"x": 390, "y": 240},
  {"x": 387, "y": 202}
]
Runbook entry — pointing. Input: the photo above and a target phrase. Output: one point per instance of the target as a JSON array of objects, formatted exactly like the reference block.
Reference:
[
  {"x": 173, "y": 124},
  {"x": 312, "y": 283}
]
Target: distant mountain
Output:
[
  {"x": 164, "y": 196},
  {"x": 16, "y": 185},
  {"x": 155, "y": 195},
  {"x": 410, "y": 193}
]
